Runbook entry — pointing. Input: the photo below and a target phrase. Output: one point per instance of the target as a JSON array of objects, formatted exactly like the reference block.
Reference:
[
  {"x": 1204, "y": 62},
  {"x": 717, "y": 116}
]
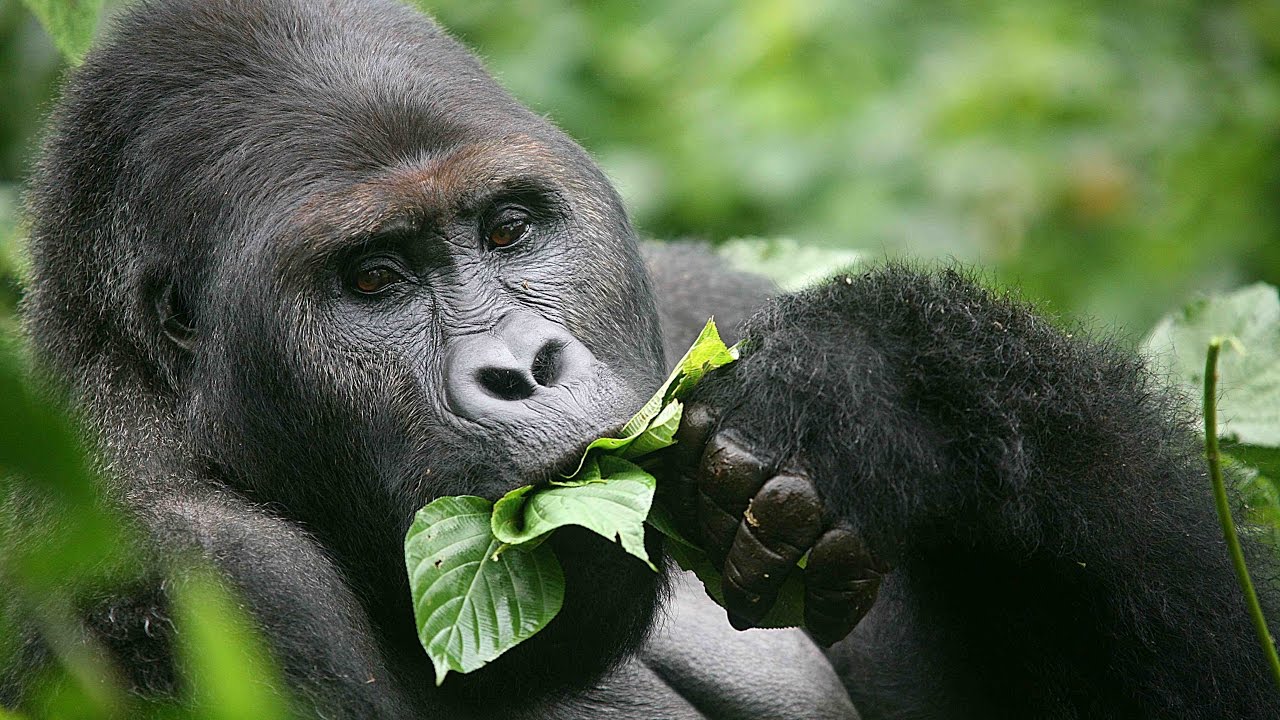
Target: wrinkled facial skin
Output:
[
  {"x": 365, "y": 277},
  {"x": 457, "y": 320}
]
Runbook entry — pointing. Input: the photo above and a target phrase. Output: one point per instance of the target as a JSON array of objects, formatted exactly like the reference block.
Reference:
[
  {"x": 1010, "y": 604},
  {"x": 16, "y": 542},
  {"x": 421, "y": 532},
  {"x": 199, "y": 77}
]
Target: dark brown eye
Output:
[
  {"x": 509, "y": 232},
  {"x": 373, "y": 280}
]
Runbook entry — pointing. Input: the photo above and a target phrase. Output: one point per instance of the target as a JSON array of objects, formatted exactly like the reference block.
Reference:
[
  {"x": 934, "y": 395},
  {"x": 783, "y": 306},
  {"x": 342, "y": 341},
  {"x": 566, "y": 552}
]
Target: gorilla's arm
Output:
[
  {"x": 1054, "y": 541},
  {"x": 696, "y": 667},
  {"x": 308, "y": 617}
]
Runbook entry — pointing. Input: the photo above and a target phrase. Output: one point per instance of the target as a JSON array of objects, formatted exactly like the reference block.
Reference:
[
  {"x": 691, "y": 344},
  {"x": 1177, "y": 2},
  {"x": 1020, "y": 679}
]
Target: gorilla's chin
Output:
[{"x": 609, "y": 606}]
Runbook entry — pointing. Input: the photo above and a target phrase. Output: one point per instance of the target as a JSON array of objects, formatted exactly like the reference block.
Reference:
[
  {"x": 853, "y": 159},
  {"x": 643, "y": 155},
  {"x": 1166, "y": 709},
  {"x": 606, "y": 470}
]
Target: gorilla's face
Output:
[
  {"x": 413, "y": 287},
  {"x": 467, "y": 319}
]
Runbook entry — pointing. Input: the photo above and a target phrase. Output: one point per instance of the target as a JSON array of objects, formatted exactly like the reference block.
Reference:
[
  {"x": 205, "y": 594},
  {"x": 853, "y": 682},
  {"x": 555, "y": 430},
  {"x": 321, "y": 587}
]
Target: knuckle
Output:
[
  {"x": 839, "y": 556},
  {"x": 696, "y": 422},
  {"x": 759, "y": 566},
  {"x": 842, "y": 581},
  {"x": 831, "y": 615},
  {"x": 730, "y": 473},
  {"x": 718, "y": 528},
  {"x": 787, "y": 512},
  {"x": 744, "y": 597}
]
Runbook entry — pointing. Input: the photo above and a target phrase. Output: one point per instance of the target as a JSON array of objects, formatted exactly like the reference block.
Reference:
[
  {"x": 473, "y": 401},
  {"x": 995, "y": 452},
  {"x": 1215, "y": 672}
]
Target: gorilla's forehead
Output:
[
  {"x": 431, "y": 187},
  {"x": 279, "y": 91}
]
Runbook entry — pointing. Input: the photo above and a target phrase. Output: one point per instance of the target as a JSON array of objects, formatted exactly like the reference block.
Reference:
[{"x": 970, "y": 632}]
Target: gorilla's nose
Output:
[{"x": 506, "y": 372}]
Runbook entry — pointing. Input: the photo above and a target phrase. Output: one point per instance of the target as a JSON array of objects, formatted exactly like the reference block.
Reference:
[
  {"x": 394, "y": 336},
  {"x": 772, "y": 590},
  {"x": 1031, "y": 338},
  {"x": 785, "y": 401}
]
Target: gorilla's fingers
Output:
[
  {"x": 679, "y": 488},
  {"x": 727, "y": 479},
  {"x": 779, "y": 525},
  {"x": 695, "y": 426},
  {"x": 841, "y": 582}
]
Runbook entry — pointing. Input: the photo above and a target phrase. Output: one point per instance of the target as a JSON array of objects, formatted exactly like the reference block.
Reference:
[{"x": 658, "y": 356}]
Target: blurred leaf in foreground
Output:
[
  {"x": 61, "y": 545},
  {"x": 230, "y": 673}
]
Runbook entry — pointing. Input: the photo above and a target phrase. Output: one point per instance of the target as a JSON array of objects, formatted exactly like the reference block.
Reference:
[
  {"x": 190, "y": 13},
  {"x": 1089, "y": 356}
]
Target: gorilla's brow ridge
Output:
[{"x": 406, "y": 196}]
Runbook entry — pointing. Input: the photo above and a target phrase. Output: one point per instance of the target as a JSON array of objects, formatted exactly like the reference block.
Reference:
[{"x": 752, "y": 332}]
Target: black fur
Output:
[
  {"x": 217, "y": 169},
  {"x": 1043, "y": 500}
]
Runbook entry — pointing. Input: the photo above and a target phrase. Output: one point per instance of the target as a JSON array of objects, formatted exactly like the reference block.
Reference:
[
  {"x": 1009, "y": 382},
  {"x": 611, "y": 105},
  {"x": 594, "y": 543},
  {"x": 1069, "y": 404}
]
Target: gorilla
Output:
[{"x": 304, "y": 266}]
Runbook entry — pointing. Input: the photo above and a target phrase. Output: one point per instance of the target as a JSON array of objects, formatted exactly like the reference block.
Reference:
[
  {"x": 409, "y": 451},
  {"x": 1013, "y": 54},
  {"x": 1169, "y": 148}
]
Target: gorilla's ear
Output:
[{"x": 175, "y": 317}]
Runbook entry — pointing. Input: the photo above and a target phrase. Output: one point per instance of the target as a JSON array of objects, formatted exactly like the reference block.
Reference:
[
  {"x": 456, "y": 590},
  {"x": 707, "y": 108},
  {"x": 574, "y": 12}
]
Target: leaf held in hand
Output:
[
  {"x": 656, "y": 419},
  {"x": 788, "y": 608}
]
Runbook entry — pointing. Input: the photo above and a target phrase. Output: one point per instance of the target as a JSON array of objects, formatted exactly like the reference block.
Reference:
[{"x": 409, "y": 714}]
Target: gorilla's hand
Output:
[
  {"x": 896, "y": 418},
  {"x": 835, "y": 434},
  {"x": 756, "y": 520}
]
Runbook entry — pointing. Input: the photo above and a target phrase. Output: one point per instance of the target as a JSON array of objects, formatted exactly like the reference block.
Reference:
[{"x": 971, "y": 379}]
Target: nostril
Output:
[
  {"x": 547, "y": 363},
  {"x": 505, "y": 383}
]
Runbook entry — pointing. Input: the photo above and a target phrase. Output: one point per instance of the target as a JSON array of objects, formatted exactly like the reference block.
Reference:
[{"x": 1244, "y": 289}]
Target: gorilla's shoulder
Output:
[{"x": 692, "y": 283}]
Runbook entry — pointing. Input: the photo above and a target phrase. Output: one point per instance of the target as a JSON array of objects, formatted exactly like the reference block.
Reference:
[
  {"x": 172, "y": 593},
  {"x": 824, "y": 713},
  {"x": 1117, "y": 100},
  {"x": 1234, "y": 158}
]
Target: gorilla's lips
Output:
[
  {"x": 549, "y": 448},
  {"x": 570, "y": 461},
  {"x": 516, "y": 465},
  {"x": 562, "y": 465}
]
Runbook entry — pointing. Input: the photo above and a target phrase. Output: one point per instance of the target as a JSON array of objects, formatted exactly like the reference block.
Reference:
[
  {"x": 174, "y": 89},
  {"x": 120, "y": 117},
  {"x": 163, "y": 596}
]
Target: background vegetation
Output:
[{"x": 1111, "y": 158}]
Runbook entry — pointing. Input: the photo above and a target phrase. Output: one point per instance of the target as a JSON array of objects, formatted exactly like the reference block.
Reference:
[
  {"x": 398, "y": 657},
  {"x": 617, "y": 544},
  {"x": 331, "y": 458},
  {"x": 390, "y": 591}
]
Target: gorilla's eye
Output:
[
  {"x": 509, "y": 231},
  {"x": 373, "y": 279}
]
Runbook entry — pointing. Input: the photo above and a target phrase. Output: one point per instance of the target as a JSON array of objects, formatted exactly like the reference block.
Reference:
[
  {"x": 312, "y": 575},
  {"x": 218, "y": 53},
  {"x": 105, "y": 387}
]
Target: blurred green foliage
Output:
[
  {"x": 71, "y": 23},
  {"x": 63, "y": 547},
  {"x": 29, "y": 67},
  {"x": 1110, "y": 157}
]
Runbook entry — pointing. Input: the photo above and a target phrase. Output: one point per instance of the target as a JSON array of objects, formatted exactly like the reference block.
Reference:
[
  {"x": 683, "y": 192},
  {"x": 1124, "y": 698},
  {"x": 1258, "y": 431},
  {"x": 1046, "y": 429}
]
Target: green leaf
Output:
[
  {"x": 661, "y": 432},
  {"x": 612, "y": 500},
  {"x": 788, "y": 262},
  {"x": 231, "y": 673},
  {"x": 471, "y": 606},
  {"x": 69, "y": 22},
  {"x": 707, "y": 353},
  {"x": 1249, "y": 404},
  {"x": 607, "y": 494},
  {"x": 481, "y": 576},
  {"x": 1260, "y": 497},
  {"x": 1265, "y": 459},
  {"x": 42, "y": 461}
]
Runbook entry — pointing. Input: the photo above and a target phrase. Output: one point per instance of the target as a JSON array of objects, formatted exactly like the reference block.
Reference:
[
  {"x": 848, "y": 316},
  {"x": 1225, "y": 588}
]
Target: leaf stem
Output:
[{"x": 1224, "y": 508}]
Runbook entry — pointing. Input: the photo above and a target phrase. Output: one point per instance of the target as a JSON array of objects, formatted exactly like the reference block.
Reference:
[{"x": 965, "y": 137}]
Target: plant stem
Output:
[{"x": 1224, "y": 508}]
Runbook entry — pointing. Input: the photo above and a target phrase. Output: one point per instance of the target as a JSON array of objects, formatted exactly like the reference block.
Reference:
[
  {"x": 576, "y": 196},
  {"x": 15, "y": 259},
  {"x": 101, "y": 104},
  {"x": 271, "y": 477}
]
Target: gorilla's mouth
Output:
[
  {"x": 566, "y": 463},
  {"x": 518, "y": 462},
  {"x": 609, "y": 606},
  {"x": 609, "y": 602}
]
